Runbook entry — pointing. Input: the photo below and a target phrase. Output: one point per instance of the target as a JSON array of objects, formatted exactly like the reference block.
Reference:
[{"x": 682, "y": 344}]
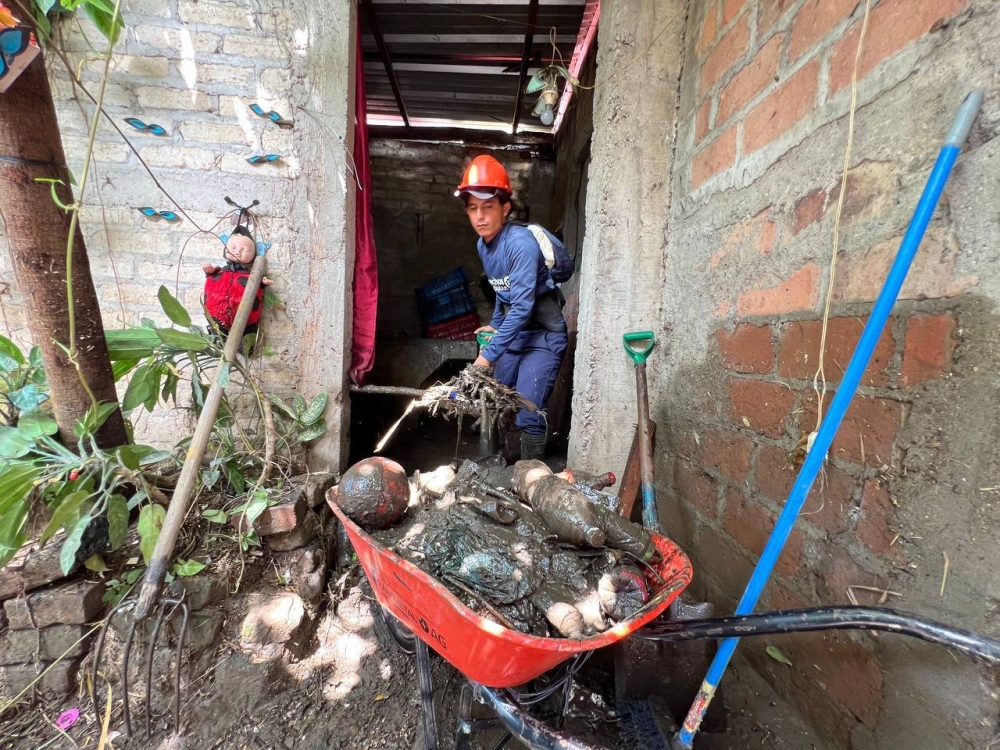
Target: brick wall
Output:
[
  {"x": 193, "y": 67},
  {"x": 421, "y": 230},
  {"x": 764, "y": 99}
]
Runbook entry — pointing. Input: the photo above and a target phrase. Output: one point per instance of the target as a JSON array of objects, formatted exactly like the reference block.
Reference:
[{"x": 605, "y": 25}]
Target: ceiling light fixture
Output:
[{"x": 545, "y": 82}]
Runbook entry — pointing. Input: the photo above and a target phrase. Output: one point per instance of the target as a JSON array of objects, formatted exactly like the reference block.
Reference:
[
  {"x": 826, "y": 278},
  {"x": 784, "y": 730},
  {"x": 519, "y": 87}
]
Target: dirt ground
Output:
[{"x": 355, "y": 690}]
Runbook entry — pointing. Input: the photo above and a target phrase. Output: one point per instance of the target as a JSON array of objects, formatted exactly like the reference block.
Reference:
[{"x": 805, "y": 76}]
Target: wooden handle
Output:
[{"x": 152, "y": 582}]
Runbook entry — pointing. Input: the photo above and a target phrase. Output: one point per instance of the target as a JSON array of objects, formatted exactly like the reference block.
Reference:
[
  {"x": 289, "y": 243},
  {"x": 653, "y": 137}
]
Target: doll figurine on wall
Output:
[{"x": 224, "y": 285}]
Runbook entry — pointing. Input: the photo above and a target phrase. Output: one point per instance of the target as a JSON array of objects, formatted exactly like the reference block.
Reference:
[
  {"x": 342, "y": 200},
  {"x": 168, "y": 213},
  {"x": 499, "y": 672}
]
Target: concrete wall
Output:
[
  {"x": 193, "y": 67},
  {"x": 627, "y": 202},
  {"x": 910, "y": 485}
]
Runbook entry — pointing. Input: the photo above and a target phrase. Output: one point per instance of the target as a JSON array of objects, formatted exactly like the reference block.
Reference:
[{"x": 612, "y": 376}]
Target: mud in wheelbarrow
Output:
[{"x": 484, "y": 651}]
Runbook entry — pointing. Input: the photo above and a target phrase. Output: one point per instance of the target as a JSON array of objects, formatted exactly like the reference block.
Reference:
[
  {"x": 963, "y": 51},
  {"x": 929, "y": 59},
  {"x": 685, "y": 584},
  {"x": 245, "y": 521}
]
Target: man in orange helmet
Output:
[{"x": 529, "y": 330}]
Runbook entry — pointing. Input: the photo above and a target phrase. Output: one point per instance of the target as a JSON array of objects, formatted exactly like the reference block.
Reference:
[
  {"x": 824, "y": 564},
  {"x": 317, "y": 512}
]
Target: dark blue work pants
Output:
[{"x": 530, "y": 366}]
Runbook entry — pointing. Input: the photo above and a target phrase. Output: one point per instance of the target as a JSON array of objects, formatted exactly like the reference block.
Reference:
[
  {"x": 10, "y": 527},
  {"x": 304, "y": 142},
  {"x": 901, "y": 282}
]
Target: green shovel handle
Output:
[
  {"x": 633, "y": 345},
  {"x": 483, "y": 338}
]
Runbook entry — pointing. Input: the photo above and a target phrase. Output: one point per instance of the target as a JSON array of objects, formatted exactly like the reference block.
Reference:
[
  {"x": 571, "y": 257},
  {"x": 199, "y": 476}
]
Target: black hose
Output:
[
  {"x": 531, "y": 731},
  {"x": 828, "y": 618}
]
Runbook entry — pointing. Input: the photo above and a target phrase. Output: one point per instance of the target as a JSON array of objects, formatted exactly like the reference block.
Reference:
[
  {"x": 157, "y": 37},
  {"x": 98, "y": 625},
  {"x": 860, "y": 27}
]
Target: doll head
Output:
[{"x": 240, "y": 247}]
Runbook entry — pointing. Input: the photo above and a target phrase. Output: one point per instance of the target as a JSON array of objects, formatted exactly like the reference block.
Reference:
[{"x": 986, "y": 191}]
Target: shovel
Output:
[{"x": 638, "y": 346}]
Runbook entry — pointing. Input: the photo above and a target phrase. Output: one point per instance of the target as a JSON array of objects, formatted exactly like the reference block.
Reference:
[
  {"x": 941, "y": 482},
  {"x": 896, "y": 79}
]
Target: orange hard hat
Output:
[{"x": 484, "y": 177}]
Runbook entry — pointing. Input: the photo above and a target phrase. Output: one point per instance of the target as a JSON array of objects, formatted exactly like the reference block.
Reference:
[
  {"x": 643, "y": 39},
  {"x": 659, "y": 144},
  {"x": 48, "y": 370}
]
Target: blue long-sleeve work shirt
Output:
[{"x": 516, "y": 270}]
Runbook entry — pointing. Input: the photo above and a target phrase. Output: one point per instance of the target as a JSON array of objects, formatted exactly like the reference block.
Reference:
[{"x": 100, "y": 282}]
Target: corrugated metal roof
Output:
[{"x": 461, "y": 60}]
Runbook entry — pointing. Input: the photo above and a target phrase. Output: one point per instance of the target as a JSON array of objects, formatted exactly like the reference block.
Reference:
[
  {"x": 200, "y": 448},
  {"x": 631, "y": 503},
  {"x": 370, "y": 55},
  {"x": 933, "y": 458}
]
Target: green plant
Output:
[
  {"x": 300, "y": 421},
  {"x": 23, "y": 386}
]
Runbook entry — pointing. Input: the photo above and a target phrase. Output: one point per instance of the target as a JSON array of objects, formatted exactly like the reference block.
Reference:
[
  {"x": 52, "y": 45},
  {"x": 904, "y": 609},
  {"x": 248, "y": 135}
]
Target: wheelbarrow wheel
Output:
[{"x": 389, "y": 631}]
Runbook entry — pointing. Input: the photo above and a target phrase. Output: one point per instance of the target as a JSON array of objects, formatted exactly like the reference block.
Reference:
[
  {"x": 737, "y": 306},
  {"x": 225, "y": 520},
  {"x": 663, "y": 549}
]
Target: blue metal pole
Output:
[{"x": 838, "y": 407}]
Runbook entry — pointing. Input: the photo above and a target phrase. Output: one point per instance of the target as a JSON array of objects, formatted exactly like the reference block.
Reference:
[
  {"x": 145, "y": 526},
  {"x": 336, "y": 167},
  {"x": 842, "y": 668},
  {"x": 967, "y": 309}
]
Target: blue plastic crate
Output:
[
  {"x": 446, "y": 306},
  {"x": 451, "y": 280}
]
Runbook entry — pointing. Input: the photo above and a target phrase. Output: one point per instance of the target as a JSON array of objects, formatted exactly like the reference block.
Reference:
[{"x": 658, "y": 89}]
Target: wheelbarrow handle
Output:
[
  {"x": 483, "y": 338},
  {"x": 633, "y": 343}
]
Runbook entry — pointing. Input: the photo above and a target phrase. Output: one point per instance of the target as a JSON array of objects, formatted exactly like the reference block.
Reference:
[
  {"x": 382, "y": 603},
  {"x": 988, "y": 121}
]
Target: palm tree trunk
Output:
[{"x": 37, "y": 230}]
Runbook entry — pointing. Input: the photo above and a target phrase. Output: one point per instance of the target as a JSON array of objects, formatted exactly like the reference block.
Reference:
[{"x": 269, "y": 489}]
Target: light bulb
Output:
[{"x": 548, "y": 116}]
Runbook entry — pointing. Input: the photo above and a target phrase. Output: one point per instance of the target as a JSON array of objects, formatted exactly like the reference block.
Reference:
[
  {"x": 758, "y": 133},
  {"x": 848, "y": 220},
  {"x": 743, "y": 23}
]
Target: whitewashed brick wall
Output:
[{"x": 193, "y": 68}]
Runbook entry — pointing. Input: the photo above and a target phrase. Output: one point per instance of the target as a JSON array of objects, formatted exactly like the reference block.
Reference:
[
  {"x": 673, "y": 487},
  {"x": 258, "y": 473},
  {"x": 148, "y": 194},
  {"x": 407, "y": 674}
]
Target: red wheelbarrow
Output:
[{"x": 485, "y": 651}]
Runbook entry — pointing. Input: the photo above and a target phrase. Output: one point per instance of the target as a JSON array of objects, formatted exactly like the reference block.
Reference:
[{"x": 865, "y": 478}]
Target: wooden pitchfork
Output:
[{"x": 149, "y": 600}]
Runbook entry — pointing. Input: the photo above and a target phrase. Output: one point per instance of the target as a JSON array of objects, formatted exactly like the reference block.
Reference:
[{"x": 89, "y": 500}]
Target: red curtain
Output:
[{"x": 365, "y": 259}]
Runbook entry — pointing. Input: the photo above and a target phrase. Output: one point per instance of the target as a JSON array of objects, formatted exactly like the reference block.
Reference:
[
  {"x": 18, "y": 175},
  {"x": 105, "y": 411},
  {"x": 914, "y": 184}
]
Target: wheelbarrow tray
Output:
[{"x": 483, "y": 650}]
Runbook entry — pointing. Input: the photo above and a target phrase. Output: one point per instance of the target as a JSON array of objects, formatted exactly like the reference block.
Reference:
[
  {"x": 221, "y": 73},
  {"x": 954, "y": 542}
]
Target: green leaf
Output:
[
  {"x": 37, "y": 423},
  {"x": 106, "y": 21},
  {"x": 778, "y": 655},
  {"x": 271, "y": 300},
  {"x": 139, "y": 388},
  {"x": 117, "y": 520},
  {"x": 148, "y": 323},
  {"x": 35, "y": 356},
  {"x": 223, "y": 376},
  {"x": 67, "y": 555},
  {"x": 210, "y": 478},
  {"x": 235, "y": 477},
  {"x": 150, "y": 522},
  {"x": 280, "y": 404},
  {"x": 299, "y": 404},
  {"x": 96, "y": 564},
  {"x": 267, "y": 351},
  {"x": 52, "y": 182},
  {"x": 14, "y": 443},
  {"x": 131, "y": 343},
  {"x": 123, "y": 367},
  {"x": 154, "y": 392},
  {"x": 12, "y": 536},
  {"x": 174, "y": 309},
  {"x": 315, "y": 409},
  {"x": 170, "y": 386},
  {"x": 249, "y": 342},
  {"x": 93, "y": 420},
  {"x": 313, "y": 431},
  {"x": 128, "y": 458},
  {"x": 184, "y": 568},
  {"x": 190, "y": 342},
  {"x": 28, "y": 398},
  {"x": 16, "y": 480},
  {"x": 215, "y": 515},
  {"x": 7, "y": 364},
  {"x": 45, "y": 5},
  {"x": 65, "y": 515},
  {"x": 9, "y": 349}
]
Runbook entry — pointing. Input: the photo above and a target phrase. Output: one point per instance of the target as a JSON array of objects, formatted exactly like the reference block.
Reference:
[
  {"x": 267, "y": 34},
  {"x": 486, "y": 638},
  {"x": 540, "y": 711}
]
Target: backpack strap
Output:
[{"x": 545, "y": 244}]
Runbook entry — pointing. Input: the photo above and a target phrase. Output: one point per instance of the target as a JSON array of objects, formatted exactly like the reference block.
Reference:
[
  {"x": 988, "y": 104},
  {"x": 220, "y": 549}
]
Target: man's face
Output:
[
  {"x": 240, "y": 249},
  {"x": 486, "y": 215}
]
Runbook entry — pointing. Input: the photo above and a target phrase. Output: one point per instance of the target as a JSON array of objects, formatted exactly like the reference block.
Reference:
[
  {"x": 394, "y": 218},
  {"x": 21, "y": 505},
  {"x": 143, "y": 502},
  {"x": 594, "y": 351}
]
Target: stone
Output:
[
  {"x": 203, "y": 630},
  {"x": 277, "y": 620},
  {"x": 60, "y": 679},
  {"x": 31, "y": 568},
  {"x": 296, "y": 538},
  {"x": 46, "y": 644},
  {"x": 74, "y": 604},
  {"x": 200, "y": 591},
  {"x": 314, "y": 486}
]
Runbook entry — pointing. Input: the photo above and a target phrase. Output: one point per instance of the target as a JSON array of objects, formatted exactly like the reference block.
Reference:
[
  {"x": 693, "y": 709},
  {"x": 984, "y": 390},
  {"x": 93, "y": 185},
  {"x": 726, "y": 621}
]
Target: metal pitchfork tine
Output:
[
  {"x": 149, "y": 601},
  {"x": 175, "y": 605}
]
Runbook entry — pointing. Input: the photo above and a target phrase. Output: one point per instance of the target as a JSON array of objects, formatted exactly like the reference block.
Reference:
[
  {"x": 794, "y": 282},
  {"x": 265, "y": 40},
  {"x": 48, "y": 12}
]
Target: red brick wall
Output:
[
  {"x": 758, "y": 173},
  {"x": 767, "y": 65}
]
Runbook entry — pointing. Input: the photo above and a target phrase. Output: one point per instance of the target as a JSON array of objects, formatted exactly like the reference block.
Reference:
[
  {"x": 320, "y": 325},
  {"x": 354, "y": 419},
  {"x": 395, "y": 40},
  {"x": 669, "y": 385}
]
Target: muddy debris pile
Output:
[{"x": 520, "y": 545}]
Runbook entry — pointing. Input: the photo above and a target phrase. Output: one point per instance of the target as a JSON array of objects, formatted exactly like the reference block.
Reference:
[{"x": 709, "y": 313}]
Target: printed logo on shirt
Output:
[{"x": 501, "y": 285}]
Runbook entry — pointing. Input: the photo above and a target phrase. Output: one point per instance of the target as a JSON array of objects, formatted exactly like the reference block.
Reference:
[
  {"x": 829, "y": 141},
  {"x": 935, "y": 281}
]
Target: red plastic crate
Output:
[{"x": 462, "y": 328}]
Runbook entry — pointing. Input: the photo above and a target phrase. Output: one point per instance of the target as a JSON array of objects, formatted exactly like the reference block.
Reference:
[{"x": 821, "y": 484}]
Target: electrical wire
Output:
[{"x": 820, "y": 376}]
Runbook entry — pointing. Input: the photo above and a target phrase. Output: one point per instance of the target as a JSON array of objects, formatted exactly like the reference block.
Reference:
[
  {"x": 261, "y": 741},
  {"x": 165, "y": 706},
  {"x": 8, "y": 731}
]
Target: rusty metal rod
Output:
[{"x": 387, "y": 390}]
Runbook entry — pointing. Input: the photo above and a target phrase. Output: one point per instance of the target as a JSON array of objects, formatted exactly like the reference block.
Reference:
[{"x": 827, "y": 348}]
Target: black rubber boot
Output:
[{"x": 532, "y": 446}]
